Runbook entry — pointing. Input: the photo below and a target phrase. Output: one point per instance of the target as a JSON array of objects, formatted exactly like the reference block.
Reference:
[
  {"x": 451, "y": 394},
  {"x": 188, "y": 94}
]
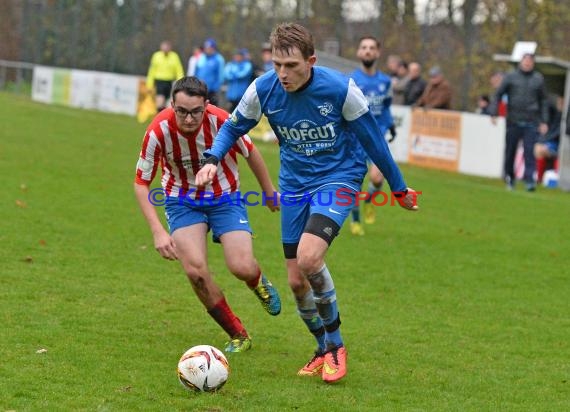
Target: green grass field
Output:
[{"x": 463, "y": 306}]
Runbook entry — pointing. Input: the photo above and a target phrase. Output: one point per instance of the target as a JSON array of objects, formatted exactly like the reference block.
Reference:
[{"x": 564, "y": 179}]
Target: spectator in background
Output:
[
  {"x": 495, "y": 80},
  {"x": 546, "y": 149},
  {"x": 237, "y": 75},
  {"x": 165, "y": 67},
  {"x": 393, "y": 64},
  {"x": 416, "y": 85},
  {"x": 376, "y": 87},
  {"x": 399, "y": 83},
  {"x": 210, "y": 69},
  {"x": 527, "y": 116},
  {"x": 266, "y": 61},
  {"x": 483, "y": 104},
  {"x": 193, "y": 60},
  {"x": 437, "y": 94}
]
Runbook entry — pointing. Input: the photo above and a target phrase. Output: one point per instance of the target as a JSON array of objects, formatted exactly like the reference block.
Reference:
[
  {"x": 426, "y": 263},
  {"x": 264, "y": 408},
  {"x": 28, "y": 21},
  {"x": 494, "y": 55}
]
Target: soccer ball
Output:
[{"x": 203, "y": 368}]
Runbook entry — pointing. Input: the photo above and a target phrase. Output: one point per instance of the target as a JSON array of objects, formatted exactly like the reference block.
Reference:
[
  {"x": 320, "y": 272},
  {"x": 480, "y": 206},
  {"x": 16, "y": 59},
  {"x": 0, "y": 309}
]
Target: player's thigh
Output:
[
  {"x": 540, "y": 150},
  {"x": 311, "y": 252},
  {"x": 238, "y": 252},
  {"x": 191, "y": 247}
]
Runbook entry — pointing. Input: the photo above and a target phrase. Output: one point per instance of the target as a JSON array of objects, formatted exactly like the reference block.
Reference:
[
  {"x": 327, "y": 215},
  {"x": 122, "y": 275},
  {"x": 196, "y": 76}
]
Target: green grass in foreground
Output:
[{"x": 462, "y": 306}]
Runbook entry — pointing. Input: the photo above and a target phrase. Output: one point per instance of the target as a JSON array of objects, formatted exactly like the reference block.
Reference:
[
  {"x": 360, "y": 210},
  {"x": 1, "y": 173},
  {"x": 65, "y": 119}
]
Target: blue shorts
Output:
[
  {"x": 333, "y": 200},
  {"x": 221, "y": 217}
]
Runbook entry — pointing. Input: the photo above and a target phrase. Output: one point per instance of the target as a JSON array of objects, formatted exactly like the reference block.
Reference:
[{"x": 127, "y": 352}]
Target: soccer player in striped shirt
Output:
[
  {"x": 176, "y": 140},
  {"x": 320, "y": 118}
]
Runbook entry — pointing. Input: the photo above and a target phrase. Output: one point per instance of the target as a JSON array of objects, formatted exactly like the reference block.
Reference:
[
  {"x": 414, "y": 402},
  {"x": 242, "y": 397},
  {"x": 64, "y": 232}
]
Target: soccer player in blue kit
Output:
[
  {"x": 377, "y": 88},
  {"x": 310, "y": 109}
]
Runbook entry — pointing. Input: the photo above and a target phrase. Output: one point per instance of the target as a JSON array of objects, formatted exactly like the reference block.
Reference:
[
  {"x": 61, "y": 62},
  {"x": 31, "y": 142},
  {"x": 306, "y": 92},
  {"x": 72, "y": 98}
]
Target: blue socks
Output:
[{"x": 325, "y": 301}]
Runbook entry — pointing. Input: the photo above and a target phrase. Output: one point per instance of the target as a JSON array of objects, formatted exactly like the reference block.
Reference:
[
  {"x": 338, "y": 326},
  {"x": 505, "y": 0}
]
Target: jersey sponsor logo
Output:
[
  {"x": 243, "y": 221},
  {"x": 328, "y": 230},
  {"x": 334, "y": 211},
  {"x": 325, "y": 108},
  {"x": 269, "y": 111},
  {"x": 307, "y": 137}
]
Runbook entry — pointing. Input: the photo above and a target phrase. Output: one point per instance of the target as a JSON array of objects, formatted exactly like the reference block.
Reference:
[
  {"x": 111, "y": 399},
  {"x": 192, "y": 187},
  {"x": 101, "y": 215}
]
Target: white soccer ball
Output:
[{"x": 203, "y": 368}]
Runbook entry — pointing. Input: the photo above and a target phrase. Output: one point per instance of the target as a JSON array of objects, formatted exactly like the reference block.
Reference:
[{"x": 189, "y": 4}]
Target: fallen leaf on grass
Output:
[
  {"x": 42, "y": 350},
  {"x": 28, "y": 259},
  {"x": 21, "y": 203}
]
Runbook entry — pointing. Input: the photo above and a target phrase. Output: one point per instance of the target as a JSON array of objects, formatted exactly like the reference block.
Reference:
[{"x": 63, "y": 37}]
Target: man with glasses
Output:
[{"x": 176, "y": 139}]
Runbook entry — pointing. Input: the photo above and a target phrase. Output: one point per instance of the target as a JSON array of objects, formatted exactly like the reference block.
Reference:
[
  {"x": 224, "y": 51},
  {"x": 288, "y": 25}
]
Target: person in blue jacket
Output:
[
  {"x": 210, "y": 69},
  {"x": 237, "y": 75}
]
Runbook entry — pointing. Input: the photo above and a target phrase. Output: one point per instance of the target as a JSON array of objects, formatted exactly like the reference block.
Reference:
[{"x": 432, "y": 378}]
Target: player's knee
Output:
[
  {"x": 298, "y": 284},
  {"x": 308, "y": 262},
  {"x": 244, "y": 269},
  {"x": 197, "y": 275}
]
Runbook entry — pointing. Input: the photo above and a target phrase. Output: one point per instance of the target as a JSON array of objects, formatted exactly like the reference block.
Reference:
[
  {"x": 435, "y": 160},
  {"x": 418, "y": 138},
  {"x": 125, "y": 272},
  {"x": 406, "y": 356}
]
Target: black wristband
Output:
[
  {"x": 211, "y": 160},
  {"x": 400, "y": 194}
]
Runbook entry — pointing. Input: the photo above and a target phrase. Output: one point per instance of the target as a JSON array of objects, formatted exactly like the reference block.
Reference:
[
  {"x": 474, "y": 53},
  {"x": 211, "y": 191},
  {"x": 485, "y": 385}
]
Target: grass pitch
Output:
[{"x": 462, "y": 306}]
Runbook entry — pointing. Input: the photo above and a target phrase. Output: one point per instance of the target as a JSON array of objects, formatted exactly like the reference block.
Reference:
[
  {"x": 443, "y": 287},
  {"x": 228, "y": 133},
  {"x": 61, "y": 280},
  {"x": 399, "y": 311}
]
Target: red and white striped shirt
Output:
[{"x": 181, "y": 155}]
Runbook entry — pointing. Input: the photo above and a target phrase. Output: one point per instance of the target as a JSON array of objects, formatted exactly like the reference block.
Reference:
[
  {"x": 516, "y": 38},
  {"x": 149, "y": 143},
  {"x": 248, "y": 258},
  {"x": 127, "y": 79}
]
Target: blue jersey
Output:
[
  {"x": 377, "y": 89},
  {"x": 319, "y": 129}
]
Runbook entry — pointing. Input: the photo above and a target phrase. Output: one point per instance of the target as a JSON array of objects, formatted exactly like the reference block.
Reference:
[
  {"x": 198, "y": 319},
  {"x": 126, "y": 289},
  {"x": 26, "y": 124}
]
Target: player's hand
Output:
[
  {"x": 274, "y": 206},
  {"x": 393, "y": 134},
  {"x": 410, "y": 200},
  {"x": 543, "y": 128},
  {"x": 165, "y": 245},
  {"x": 206, "y": 174},
  {"x": 494, "y": 120}
]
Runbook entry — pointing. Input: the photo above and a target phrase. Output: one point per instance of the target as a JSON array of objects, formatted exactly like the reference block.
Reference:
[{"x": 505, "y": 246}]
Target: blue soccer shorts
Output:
[
  {"x": 333, "y": 200},
  {"x": 223, "y": 215}
]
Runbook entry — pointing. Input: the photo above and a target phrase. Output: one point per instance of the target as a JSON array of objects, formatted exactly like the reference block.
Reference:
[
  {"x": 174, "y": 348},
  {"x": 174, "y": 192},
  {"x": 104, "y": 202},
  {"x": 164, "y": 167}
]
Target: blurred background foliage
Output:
[{"x": 120, "y": 35}]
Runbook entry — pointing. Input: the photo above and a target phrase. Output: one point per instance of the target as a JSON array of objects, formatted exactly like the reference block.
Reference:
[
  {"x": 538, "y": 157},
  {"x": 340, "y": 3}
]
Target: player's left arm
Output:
[
  {"x": 362, "y": 123},
  {"x": 365, "y": 129},
  {"x": 257, "y": 165}
]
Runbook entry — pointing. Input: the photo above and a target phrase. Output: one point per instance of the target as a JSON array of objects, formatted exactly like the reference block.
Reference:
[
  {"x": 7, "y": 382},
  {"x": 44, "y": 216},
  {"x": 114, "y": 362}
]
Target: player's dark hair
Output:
[
  {"x": 287, "y": 36},
  {"x": 369, "y": 37},
  {"x": 190, "y": 85}
]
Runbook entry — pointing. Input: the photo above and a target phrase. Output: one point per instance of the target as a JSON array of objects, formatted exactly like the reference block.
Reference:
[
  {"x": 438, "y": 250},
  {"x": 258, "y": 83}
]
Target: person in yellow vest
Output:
[{"x": 165, "y": 68}]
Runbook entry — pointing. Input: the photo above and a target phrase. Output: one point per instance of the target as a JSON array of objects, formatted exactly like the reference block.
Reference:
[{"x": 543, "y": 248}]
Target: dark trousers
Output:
[{"x": 528, "y": 132}]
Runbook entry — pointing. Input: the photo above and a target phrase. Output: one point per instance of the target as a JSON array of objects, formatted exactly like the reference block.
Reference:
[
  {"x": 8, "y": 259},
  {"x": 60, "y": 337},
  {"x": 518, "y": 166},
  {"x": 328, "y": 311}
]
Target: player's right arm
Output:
[
  {"x": 147, "y": 167},
  {"x": 163, "y": 243}
]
